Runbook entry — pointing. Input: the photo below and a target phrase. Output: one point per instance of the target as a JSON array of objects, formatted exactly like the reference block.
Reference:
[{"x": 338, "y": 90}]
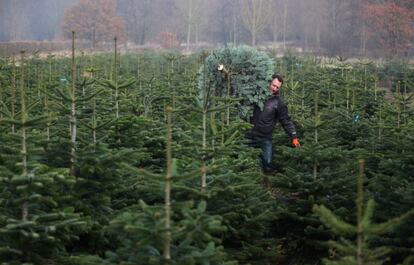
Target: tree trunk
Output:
[
  {"x": 93, "y": 38},
  {"x": 196, "y": 27},
  {"x": 143, "y": 34},
  {"x": 274, "y": 31},
  {"x": 25, "y": 207},
  {"x": 23, "y": 115},
  {"x": 306, "y": 41},
  {"x": 13, "y": 94},
  {"x": 234, "y": 27},
  {"x": 17, "y": 18},
  {"x": 285, "y": 10},
  {"x": 363, "y": 28},
  {"x": 254, "y": 26},
  {"x": 204, "y": 145},
  {"x": 253, "y": 38},
  {"x": 318, "y": 36},
  {"x": 168, "y": 180},
  {"x": 315, "y": 165},
  {"x": 115, "y": 78},
  {"x": 134, "y": 20},
  {"x": 73, "y": 112},
  {"x": 360, "y": 202},
  {"x": 189, "y": 21},
  {"x": 363, "y": 39}
]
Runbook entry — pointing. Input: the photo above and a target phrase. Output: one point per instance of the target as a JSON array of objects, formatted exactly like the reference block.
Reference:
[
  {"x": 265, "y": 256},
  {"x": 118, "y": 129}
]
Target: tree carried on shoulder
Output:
[{"x": 247, "y": 74}]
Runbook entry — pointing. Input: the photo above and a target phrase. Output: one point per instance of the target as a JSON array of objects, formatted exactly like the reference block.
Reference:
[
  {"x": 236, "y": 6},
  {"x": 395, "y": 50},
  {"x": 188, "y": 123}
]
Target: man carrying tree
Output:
[{"x": 264, "y": 121}]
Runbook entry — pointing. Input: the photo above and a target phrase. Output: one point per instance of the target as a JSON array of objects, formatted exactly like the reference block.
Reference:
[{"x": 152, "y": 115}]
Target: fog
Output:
[
  {"x": 22, "y": 20},
  {"x": 328, "y": 26}
]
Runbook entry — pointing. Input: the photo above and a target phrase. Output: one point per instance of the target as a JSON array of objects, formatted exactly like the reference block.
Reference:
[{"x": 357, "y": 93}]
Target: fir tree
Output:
[
  {"x": 358, "y": 252},
  {"x": 36, "y": 221}
]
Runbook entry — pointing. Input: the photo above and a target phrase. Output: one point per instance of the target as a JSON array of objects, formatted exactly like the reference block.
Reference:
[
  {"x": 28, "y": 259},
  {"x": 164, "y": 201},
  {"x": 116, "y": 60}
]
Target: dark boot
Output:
[{"x": 270, "y": 170}]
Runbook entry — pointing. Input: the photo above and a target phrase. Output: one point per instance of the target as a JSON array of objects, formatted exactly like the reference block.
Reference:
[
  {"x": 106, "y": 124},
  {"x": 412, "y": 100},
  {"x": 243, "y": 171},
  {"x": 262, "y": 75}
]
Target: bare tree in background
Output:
[
  {"x": 223, "y": 21},
  {"x": 279, "y": 20},
  {"x": 137, "y": 14},
  {"x": 392, "y": 27},
  {"x": 284, "y": 15},
  {"x": 298, "y": 21},
  {"x": 363, "y": 28},
  {"x": 31, "y": 20},
  {"x": 17, "y": 20},
  {"x": 234, "y": 22},
  {"x": 193, "y": 13},
  {"x": 94, "y": 20},
  {"x": 310, "y": 25},
  {"x": 199, "y": 18},
  {"x": 54, "y": 18},
  {"x": 276, "y": 21},
  {"x": 4, "y": 20},
  {"x": 333, "y": 26},
  {"x": 255, "y": 15},
  {"x": 338, "y": 30},
  {"x": 189, "y": 22}
]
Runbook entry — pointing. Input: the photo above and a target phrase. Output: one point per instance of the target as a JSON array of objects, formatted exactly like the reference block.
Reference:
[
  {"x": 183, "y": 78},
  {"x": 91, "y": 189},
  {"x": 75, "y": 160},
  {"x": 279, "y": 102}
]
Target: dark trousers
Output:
[{"x": 266, "y": 156}]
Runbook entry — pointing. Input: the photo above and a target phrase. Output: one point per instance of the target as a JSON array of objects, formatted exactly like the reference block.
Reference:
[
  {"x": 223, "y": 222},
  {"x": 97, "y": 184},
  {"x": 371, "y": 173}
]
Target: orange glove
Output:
[{"x": 295, "y": 142}]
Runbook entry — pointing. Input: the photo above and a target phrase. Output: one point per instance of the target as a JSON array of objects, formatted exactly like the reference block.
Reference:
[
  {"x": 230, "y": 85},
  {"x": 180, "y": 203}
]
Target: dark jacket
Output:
[{"x": 264, "y": 122}]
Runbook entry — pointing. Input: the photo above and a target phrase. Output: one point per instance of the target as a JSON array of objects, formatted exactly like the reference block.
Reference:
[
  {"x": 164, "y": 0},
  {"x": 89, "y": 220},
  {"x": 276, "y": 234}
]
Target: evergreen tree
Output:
[
  {"x": 36, "y": 220},
  {"x": 172, "y": 234},
  {"x": 358, "y": 252}
]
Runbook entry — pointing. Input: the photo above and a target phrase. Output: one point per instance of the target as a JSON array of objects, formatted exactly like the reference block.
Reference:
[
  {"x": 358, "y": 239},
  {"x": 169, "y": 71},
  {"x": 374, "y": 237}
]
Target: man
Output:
[{"x": 264, "y": 122}]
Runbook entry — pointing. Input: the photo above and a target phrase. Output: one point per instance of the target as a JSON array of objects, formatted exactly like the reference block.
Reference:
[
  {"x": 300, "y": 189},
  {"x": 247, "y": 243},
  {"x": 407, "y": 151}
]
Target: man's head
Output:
[{"x": 275, "y": 84}]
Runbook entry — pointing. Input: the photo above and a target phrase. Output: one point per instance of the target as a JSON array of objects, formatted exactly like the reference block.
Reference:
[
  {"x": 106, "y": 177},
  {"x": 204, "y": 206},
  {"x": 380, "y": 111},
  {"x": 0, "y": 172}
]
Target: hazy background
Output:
[{"x": 323, "y": 26}]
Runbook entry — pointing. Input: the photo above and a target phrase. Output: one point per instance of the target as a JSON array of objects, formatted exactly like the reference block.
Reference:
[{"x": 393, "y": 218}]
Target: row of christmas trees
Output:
[{"x": 95, "y": 168}]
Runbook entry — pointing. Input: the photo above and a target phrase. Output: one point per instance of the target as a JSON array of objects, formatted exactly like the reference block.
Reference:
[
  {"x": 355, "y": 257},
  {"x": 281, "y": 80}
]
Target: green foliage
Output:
[
  {"x": 50, "y": 222},
  {"x": 343, "y": 109},
  {"x": 359, "y": 252},
  {"x": 140, "y": 231}
]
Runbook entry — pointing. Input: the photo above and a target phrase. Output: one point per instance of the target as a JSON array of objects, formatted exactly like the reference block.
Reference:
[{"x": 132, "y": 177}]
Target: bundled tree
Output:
[{"x": 238, "y": 72}]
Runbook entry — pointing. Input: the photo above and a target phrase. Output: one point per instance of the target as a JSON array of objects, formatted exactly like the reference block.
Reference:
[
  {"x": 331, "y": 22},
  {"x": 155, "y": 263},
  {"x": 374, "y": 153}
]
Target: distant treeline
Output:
[{"x": 332, "y": 27}]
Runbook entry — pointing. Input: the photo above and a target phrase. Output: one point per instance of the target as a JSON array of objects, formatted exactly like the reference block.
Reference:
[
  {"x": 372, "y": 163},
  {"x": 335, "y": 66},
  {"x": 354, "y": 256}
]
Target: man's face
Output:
[{"x": 274, "y": 86}]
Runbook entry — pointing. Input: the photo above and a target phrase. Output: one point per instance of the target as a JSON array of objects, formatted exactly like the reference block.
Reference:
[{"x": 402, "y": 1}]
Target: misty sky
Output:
[
  {"x": 31, "y": 19},
  {"x": 333, "y": 25}
]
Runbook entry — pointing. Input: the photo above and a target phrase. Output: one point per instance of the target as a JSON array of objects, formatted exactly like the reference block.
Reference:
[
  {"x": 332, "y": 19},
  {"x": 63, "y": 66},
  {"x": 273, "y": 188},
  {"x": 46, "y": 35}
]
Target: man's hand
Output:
[{"x": 295, "y": 142}]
